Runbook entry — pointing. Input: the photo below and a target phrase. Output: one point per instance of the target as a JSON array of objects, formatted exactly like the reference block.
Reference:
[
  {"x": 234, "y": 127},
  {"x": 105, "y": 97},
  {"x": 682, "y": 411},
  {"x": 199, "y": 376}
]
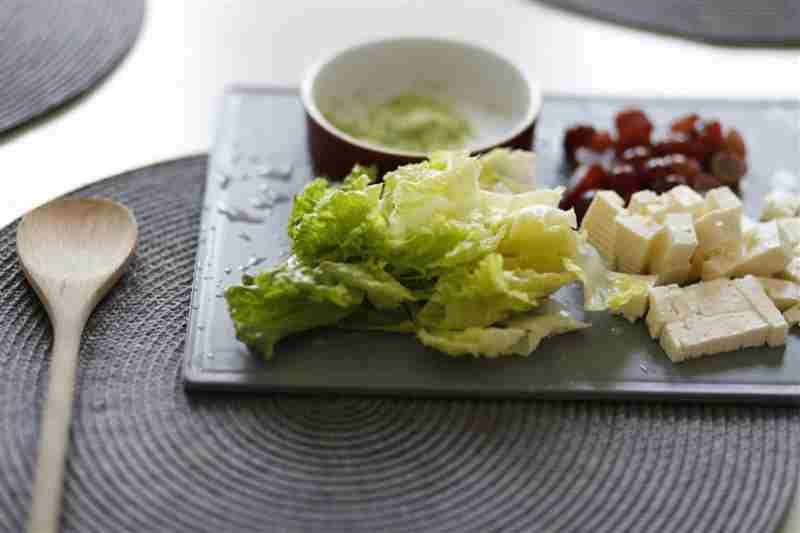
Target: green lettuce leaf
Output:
[
  {"x": 486, "y": 293},
  {"x": 432, "y": 211},
  {"x": 334, "y": 224},
  {"x": 287, "y": 299},
  {"x": 382, "y": 290},
  {"x": 539, "y": 238},
  {"x": 360, "y": 177},
  {"x": 520, "y": 336},
  {"x": 367, "y": 318},
  {"x": 509, "y": 170}
]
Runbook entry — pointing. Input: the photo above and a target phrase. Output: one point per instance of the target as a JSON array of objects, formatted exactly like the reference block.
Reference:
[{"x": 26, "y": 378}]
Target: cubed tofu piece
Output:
[
  {"x": 767, "y": 251},
  {"x": 662, "y": 311},
  {"x": 718, "y": 229},
  {"x": 792, "y": 315},
  {"x": 755, "y": 294},
  {"x": 634, "y": 241},
  {"x": 780, "y": 204},
  {"x": 673, "y": 248},
  {"x": 684, "y": 199},
  {"x": 698, "y": 336},
  {"x": 790, "y": 229},
  {"x": 636, "y": 307},
  {"x": 764, "y": 251},
  {"x": 722, "y": 198},
  {"x": 599, "y": 223},
  {"x": 792, "y": 270},
  {"x": 714, "y": 316},
  {"x": 783, "y": 293},
  {"x": 648, "y": 204}
]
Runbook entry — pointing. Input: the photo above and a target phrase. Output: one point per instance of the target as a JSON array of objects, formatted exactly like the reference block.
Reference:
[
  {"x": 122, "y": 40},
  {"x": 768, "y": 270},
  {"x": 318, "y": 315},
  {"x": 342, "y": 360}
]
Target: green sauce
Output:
[{"x": 408, "y": 122}]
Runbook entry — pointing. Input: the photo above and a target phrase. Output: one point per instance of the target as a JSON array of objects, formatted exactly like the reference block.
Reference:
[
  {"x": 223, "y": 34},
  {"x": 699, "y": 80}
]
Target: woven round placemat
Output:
[
  {"x": 148, "y": 457},
  {"x": 741, "y": 22},
  {"x": 52, "y": 51}
]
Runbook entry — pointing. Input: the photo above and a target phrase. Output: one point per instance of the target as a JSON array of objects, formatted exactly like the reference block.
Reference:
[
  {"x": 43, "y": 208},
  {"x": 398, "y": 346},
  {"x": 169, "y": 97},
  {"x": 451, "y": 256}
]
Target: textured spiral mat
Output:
[
  {"x": 55, "y": 50},
  {"x": 765, "y": 22},
  {"x": 148, "y": 457}
]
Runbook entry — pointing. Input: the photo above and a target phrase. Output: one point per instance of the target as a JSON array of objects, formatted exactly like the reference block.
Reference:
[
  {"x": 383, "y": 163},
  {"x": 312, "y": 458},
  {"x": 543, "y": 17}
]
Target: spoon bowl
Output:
[{"x": 72, "y": 252}]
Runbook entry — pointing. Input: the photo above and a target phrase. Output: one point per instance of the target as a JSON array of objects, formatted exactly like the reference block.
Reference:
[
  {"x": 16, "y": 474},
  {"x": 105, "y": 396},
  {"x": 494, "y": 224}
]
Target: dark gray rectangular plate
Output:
[{"x": 263, "y": 129}]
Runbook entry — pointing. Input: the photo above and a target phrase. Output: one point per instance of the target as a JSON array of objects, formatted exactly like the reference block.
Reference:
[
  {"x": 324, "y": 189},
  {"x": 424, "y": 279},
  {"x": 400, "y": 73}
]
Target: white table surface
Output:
[{"x": 158, "y": 104}]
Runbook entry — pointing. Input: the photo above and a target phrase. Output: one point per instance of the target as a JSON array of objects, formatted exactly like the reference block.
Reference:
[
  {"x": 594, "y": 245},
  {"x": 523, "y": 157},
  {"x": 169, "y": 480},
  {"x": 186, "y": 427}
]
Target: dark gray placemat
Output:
[
  {"x": 148, "y": 457},
  {"x": 748, "y": 22},
  {"x": 52, "y": 51}
]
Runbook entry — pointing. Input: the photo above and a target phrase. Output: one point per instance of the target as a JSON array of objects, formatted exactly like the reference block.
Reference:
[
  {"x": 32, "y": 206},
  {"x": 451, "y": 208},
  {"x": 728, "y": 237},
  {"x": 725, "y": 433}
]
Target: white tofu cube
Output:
[
  {"x": 792, "y": 315},
  {"x": 790, "y": 228},
  {"x": 754, "y": 292},
  {"x": 718, "y": 229},
  {"x": 662, "y": 311},
  {"x": 599, "y": 223},
  {"x": 764, "y": 251},
  {"x": 684, "y": 199},
  {"x": 698, "y": 336},
  {"x": 648, "y": 204},
  {"x": 792, "y": 270},
  {"x": 784, "y": 294},
  {"x": 722, "y": 198},
  {"x": 714, "y": 316},
  {"x": 634, "y": 241},
  {"x": 780, "y": 204},
  {"x": 673, "y": 248}
]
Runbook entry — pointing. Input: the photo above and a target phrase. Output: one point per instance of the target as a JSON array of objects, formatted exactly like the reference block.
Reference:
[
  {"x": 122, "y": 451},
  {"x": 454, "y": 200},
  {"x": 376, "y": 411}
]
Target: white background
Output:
[{"x": 159, "y": 103}]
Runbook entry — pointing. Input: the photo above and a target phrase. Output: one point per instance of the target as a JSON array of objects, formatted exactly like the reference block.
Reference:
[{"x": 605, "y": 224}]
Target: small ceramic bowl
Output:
[{"x": 497, "y": 97}]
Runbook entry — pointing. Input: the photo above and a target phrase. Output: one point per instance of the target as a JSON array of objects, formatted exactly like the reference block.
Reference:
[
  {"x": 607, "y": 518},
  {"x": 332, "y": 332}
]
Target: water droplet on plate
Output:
[
  {"x": 281, "y": 171},
  {"x": 224, "y": 181},
  {"x": 210, "y": 355},
  {"x": 228, "y": 270},
  {"x": 616, "y": 331},
  {"x": 245, "y": 237},
  {"x": 643, "y": 368},
  {"x": 201, "y": 328},
  {"x": 235, "y": 214},
  {"x": 268, "y": 198}
]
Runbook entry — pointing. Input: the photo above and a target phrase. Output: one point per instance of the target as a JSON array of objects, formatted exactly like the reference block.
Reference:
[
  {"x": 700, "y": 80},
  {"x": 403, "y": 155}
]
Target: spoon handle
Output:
[{"x": 54, "y": 436}]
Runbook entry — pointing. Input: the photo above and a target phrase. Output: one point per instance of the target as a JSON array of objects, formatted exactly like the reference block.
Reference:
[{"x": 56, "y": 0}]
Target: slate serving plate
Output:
[{"x": 260, "y": 160}]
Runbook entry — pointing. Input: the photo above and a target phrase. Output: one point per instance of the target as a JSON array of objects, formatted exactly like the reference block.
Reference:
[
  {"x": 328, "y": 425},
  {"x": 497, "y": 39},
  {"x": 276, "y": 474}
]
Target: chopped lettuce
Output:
[
  {"x": 367, "y": 318},
  {"x": 335, "y": 224},
  {"x": 457, "y": 249},
  {"x": 519, "y": 336},
  {"x": 382, "y": 290},
  {"x": 486, "y": 293},
  {"x": 508, "y": 170},
  {"x": 287, "y": 299},
  {"x": 539, "y": 237}
]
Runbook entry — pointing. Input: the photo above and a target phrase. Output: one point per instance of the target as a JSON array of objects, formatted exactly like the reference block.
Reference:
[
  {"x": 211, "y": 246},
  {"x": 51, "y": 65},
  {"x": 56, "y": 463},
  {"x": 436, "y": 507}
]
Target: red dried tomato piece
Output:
[
  {"x": 633, "y": 129},
  {"x": 685, "y": 125},
  {"x": 579, "y": 136},
  {"x": 734, "y": 142}
]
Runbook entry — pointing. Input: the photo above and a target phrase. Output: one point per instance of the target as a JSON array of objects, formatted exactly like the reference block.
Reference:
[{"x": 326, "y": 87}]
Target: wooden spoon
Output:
[{"x": 72, "y": 252}]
